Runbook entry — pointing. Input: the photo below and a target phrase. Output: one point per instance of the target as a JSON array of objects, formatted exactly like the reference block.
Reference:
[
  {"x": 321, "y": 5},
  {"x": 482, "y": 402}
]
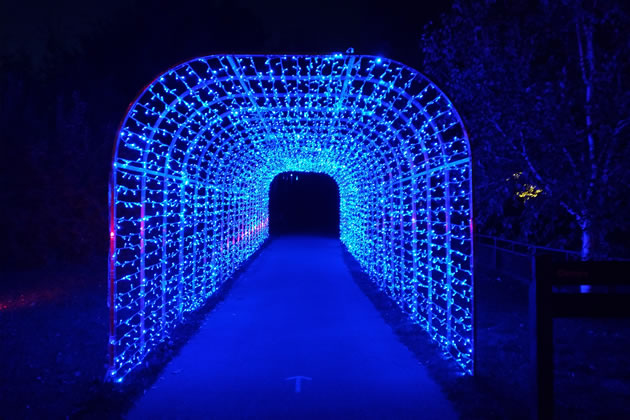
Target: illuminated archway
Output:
[{"x": 201, "y": 144}]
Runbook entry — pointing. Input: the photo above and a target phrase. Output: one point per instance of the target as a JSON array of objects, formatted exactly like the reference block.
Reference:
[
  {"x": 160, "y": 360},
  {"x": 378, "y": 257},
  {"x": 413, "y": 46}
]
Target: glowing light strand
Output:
[{"x": 200, "y": 146}]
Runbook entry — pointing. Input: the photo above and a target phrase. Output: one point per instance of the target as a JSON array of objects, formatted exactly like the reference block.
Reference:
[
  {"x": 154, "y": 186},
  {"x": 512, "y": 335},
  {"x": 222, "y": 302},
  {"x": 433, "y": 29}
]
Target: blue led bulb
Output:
[{"x": 197, "y": 152}]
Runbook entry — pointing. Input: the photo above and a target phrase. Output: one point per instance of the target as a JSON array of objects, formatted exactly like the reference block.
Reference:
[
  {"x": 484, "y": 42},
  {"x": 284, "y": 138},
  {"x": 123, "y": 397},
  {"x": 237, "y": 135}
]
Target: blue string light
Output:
[{"x": 200, "y": 146}]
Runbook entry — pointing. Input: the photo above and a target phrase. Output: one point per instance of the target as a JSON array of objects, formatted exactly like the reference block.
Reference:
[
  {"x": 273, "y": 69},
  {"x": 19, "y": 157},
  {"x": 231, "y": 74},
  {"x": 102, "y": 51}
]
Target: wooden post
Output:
[
  {"x": 545, "y": 305},
  {"x": 541, "y": 340}
]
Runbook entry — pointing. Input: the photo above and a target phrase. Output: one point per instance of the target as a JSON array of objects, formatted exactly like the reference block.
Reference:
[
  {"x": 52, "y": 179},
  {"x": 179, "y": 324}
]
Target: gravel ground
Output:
[{"x": 54, "y": 335}]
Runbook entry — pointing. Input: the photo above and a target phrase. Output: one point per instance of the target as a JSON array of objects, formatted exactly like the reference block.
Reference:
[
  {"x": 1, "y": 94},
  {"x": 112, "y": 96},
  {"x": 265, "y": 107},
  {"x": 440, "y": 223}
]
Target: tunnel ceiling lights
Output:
[{"x": 197, "y": 152}]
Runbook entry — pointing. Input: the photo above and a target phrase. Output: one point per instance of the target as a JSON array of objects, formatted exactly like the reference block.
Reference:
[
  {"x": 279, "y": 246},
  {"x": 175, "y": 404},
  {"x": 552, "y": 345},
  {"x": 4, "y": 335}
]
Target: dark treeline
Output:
[
  {"x": 544, "y": 91},
  {"x": 68, "y": 71},
  {"x": 58, "y": 119}
]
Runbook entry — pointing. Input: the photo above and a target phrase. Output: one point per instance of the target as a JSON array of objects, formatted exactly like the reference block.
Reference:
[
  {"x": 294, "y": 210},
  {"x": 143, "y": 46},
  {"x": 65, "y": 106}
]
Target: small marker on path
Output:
[{"x": 298, "y": 381}]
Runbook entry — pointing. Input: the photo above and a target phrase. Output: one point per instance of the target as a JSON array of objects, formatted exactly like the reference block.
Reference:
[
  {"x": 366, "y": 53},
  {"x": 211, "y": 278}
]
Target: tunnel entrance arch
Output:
[{"x": 199, "y": 147}]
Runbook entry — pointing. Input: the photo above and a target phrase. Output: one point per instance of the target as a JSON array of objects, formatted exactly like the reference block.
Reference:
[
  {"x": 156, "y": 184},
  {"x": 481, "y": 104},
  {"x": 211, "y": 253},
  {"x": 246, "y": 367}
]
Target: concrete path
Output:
[{"x": 296, "y": 312}]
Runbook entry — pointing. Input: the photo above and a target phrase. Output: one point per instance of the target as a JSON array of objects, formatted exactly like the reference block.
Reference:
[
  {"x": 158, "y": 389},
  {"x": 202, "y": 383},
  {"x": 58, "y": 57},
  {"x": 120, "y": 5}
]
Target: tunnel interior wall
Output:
[{"x": 200, "y": 146}]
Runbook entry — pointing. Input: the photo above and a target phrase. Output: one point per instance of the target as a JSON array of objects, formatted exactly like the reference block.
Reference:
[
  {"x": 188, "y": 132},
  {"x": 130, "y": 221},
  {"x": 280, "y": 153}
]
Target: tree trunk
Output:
[
  {"x": 587, "y": 238},
  {"x": 584, "y": 32}
]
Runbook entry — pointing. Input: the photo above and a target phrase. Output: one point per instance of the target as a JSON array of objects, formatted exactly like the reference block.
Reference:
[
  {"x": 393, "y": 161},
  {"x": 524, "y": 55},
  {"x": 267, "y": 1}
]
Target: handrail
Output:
[{"x": 530, "y": 249}]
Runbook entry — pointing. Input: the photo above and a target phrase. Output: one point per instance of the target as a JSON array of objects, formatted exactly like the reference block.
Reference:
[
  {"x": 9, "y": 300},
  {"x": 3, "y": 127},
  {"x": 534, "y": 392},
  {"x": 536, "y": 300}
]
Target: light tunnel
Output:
[{"x": 197, "y": 152}]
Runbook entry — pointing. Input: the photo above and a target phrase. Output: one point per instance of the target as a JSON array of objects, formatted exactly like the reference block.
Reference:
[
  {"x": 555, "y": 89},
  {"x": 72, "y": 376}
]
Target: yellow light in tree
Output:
[{"x": 530, "y": 191}]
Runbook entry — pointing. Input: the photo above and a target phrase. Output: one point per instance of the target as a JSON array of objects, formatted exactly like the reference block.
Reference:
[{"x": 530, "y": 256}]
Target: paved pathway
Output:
[{"x": 296, "y": 312}]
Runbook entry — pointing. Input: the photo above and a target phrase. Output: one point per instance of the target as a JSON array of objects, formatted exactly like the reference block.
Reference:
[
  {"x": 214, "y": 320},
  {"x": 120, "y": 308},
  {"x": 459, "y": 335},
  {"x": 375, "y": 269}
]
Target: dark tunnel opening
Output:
[{"x": 304, "y": 203}]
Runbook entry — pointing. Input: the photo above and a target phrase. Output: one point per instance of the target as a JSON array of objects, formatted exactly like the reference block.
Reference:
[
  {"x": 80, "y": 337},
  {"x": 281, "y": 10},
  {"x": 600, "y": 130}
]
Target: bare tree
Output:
[{"x": 546, "y": 99}]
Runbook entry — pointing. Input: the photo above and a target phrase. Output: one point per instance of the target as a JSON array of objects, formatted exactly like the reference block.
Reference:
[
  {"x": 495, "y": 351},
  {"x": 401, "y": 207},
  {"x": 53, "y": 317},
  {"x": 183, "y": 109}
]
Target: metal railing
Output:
[
  {"x": 512, "y": 246},
  {"x": 514, "y": 258}
]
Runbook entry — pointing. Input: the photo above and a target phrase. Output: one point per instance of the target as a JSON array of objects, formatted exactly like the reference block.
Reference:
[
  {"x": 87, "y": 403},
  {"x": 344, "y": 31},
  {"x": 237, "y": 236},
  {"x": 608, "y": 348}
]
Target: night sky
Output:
[{"x": 125, "y": 44}]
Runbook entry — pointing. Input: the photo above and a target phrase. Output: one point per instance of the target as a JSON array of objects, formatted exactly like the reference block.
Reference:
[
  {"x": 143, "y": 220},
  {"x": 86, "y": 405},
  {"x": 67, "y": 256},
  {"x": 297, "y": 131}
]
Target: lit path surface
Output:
[{"x": 295, "y": 312}]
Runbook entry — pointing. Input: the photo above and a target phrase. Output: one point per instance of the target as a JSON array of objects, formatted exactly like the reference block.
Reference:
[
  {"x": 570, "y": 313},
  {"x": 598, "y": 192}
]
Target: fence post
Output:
[{"x": 541, "y": 339}]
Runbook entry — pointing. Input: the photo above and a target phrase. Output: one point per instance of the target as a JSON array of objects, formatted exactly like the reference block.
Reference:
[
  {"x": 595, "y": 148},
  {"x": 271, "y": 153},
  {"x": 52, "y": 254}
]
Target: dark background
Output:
[
  {"x": 70, "y": 69},
  {"x": 304, "y": 202}
]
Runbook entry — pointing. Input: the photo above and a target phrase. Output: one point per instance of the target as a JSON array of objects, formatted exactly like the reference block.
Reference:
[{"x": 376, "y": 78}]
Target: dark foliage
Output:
[
  {"x": 69, "y": 70},
  {"x": 543, "y": 90},
  {"x": 58, "y": 372}
]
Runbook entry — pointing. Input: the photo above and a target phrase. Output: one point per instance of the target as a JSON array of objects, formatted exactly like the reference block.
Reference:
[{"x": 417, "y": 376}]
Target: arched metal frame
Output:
[{"x": 201, "y": 144}]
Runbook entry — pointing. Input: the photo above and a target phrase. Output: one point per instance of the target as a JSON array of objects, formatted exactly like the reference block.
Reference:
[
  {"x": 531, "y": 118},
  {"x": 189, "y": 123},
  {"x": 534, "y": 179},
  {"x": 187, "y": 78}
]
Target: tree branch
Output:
[
  {"x": 531, "y": 167},
  {"x": 621, "y": 124},
  {"x": 570, "y": 159},
  {"x": 544, "y": 185},
  {"x": 609, "y": 150},
  {"x": 496, "y": 125},
  {"x": 588, "y": 85},
  {"x": 572, "y": 212}
]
